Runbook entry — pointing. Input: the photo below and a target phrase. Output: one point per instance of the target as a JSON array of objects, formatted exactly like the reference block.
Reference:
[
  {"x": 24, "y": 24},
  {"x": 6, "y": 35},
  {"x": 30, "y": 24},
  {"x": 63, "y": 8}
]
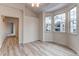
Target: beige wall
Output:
[
  {"x": 30, "y": 29},
  {"x": 30, "y": 26},
  {"x": 65, "y": 38},
  {"x": 1, "y": 32},
  {"x": 28, "y": 22},
  {"x": 74, "y": 38},
  {"x": 47, "y": 36},
  {"x": 12, "y": 12},
  {"x": 40, "y": 16}
]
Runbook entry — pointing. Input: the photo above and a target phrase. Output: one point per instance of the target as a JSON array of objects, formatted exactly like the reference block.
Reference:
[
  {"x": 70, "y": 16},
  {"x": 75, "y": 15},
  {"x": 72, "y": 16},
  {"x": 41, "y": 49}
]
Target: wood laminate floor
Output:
[{"x": 36, "y": 48}]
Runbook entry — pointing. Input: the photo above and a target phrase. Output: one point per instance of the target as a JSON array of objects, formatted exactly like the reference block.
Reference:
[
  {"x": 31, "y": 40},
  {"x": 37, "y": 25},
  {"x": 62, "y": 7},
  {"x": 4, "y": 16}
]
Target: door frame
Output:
[{"x": 5, "y": 19}]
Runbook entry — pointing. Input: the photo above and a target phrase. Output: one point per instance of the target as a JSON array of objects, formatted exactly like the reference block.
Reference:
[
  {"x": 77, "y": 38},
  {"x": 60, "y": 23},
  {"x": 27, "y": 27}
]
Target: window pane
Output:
[
  {"x": 73, "y": 23},
  {"x": 48, "y": 23},
  {"x": 48, "y": 27},
  {"x": 62, "y": 24},
  {"x": 59, "y": 21},
  {"x": 48, "y": 20},
  {"x": 57, "y": 29},
  {"x": 57, "y": 24}
]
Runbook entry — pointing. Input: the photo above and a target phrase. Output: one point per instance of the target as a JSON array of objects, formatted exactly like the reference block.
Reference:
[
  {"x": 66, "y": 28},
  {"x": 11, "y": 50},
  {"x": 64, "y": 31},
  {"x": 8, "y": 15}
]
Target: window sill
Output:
[
  {"x": 47, "y": 31},
  {"x": 59, "y": 32},
  {"x": 73, "y": 33}
]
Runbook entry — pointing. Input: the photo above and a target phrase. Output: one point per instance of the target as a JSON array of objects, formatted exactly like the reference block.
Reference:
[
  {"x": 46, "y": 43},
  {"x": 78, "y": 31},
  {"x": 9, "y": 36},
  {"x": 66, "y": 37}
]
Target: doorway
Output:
[{"x": 11, "y": 31}]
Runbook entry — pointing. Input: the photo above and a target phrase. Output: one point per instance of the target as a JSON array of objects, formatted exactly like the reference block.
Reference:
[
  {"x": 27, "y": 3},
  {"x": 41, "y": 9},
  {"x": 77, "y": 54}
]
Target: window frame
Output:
[
  {"x": 45, "y": 23},
  {"x": 70, "y": 21},
  {"x": 60, "y": 24}
]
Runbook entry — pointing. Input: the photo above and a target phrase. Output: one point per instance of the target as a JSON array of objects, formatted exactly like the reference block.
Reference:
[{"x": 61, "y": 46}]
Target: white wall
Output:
[
  {"x": 60, "y": 37},
  {"x": 30, "y": 26},
  {"x": 18, "y": 6},
  {"x": 64, "y": 38},
  {"x": 30, "y": 29},
  {"x": 74, "y": 38},
  {"x": 40, "y": 26},
  {"x": 28, "y": 22},
  {"x": 12, "y": 12},
  {"x": 47, "y": 36}
]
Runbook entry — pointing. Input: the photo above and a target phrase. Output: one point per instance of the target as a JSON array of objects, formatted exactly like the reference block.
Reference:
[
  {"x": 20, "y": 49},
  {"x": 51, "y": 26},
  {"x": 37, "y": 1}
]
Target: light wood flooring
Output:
[{"x": 36, "y": 48}]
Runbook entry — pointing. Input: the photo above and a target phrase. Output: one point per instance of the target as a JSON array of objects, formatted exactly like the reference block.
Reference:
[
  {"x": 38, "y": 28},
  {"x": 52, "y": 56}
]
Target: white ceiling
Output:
[{"x": 46, "y": 7}]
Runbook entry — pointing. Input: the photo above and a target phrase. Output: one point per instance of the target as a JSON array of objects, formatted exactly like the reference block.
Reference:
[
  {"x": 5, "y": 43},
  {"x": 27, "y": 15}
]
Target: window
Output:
[
  {"x": 59, "y": 22},
  {"x": 48, "y": 23},
  {"x": 73, "y": 20}
]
